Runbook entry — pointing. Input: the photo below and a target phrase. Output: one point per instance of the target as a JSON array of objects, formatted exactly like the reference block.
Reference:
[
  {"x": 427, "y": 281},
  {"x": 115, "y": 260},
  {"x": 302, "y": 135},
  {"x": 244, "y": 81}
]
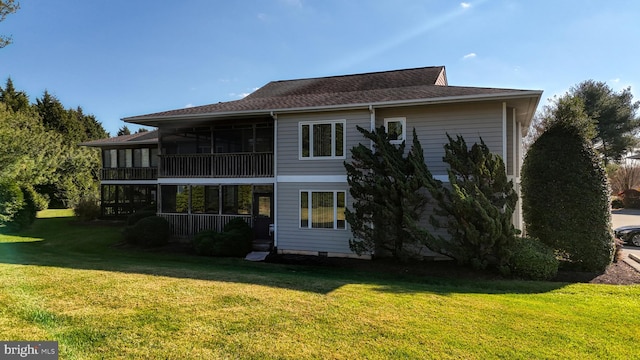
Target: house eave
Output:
[{"x": 527, "y": 112}]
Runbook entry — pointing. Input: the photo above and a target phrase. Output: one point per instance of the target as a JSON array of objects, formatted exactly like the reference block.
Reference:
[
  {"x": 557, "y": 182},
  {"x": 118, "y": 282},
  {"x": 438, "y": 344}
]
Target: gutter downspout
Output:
[{"x": 274, "y": 116}]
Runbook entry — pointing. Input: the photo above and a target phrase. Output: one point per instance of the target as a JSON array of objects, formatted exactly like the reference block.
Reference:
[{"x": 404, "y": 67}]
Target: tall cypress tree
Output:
[
  {"x": 477, "y": 208},
  {"x": 388, "y": 202}
]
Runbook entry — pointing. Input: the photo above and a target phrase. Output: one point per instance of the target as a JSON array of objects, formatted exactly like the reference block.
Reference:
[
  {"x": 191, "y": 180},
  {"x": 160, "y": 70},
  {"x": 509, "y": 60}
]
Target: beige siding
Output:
[
  {"x": 510, "y": 143},
  {"x": 432, "y": 123},
  {"x": 292, "y": 238},
  {"x": 288, "y": 147}
]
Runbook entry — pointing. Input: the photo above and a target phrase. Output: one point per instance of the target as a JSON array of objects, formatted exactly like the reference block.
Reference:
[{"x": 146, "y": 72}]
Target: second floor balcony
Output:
[
  {"x": 225, "y": 165},
  {"x": 129, "y": 173}
]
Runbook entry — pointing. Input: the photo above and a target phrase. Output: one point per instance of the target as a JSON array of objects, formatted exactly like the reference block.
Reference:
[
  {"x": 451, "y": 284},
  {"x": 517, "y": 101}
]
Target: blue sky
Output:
[{"x": 120, "y": 58}]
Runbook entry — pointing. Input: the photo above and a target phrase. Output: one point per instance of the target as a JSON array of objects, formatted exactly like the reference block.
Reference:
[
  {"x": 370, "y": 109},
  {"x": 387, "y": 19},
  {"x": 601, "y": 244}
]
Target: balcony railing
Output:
[
  {"x": 186, "y": 225},
  {"x": 217, "y": 165},
  {"x": 132, "y": 173}
]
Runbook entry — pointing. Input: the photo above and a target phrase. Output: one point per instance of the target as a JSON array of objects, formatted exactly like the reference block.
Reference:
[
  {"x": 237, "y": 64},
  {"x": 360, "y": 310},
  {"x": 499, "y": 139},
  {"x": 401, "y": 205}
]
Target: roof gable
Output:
[{"x": 348, "y": 83}]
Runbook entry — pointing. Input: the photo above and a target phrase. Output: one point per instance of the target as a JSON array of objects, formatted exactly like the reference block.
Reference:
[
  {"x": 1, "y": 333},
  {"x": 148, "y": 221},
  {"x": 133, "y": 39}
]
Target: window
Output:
[
  {"x": 396, "y": 129},
  {"x": 175, "y": 198},
  {"x": 137, "y": 158},
  {"x": 204, "y": 199},
  {"x": 322, "y": 209},
  {"x": 106, "y": 158},
  {"x": 145, "y": 158},
  {"x": 322, "y": 139},
  {"x": 236, "y": 199}
]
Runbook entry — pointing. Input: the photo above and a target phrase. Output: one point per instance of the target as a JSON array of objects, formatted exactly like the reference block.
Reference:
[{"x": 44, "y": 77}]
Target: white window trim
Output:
[
  {"x": 401, "y": 120},
  {"x": 310, "y": 209},
  {"x": 333, "y": 139}
]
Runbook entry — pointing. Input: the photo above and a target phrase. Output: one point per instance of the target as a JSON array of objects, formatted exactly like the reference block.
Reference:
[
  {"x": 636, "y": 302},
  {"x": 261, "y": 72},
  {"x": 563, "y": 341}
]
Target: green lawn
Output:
[{"x": 65, "y": 282}]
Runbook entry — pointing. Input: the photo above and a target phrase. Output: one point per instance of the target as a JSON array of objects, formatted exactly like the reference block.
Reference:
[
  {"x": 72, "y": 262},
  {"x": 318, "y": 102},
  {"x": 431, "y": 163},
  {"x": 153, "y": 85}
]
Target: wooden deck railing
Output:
[
  {"x": 133, "y": 173},
  {"x": 186, "y": 226},
  {"x": 217, "y": 165}
]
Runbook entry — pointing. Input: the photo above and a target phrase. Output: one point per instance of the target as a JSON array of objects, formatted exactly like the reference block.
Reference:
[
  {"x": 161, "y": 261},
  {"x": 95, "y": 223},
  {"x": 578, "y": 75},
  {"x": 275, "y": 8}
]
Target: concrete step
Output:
[{"x": 257, "y": 256}]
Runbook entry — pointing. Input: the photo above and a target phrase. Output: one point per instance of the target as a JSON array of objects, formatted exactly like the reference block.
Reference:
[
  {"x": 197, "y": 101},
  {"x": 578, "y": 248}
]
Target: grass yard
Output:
[{"x": 65, "y": 282}]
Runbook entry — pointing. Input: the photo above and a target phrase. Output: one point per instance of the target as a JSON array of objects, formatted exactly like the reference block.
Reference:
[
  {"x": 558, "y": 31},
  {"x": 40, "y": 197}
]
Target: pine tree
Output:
[
  {"x": 14, "y": 100},
  {"x": 124, "y": 130},
  {"x": 388, "y": 192},
  {"x": 477, "y": 208}
]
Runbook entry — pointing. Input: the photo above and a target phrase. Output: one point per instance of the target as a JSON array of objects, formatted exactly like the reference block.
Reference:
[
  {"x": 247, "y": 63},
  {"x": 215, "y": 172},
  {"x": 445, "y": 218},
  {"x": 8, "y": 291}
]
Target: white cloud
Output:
[
  {"x": 263, "y": 17},
  {"x": 465, "y": 5},
  {"x": 188, "y": 106},
  {"x": 242, "y": 95},
  {"x": 469, "y": 56},
  {"x": 616, "y": 80}
]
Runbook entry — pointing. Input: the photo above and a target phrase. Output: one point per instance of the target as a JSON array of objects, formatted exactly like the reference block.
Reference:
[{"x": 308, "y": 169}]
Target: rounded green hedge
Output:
[
  {"x": 148, "y": 232},
  {"x": 234, "y": 241},
  {"x": 565, "y": 198},
  {"x": 531, "y": 259}
]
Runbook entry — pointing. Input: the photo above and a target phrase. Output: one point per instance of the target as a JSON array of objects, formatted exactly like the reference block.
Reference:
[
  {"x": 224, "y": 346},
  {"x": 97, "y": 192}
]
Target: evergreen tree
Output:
[
  {"x": 610, "y": 120},
  {"x": 124, "y": 130},
  {"x": 566, "y": 197},
  {"x": 14, "y": 100},
  {"x": 477, "y": 208},
  {"x": 388, "y": 202}
]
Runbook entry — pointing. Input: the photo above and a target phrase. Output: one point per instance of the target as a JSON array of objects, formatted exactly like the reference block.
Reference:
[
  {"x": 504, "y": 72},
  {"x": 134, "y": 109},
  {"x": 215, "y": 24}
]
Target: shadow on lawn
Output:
[{"x": 65, "y": 244}]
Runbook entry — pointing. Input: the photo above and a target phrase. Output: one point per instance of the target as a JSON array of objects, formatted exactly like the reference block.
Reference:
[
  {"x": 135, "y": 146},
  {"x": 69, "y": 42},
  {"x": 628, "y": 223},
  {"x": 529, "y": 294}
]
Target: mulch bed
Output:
[{"x": 619, "y": 273}]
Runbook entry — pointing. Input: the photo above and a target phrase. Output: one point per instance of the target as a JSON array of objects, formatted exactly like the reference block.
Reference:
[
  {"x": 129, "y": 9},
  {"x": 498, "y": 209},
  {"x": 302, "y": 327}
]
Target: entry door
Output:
[{"x": 262, "y": 215}]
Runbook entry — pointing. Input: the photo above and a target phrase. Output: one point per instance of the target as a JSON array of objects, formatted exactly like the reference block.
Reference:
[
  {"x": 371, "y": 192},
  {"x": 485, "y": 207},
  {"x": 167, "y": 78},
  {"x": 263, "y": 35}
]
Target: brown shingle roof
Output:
[
  {"x": 335, "y": 91},
  {"x": 147, "y": 137}
]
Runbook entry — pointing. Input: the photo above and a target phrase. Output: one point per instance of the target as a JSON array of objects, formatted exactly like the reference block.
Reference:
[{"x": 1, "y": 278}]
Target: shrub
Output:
[
  {"x": 531, "y": 259},
  {"x": 139, "y": 215},
  {"x": 26, "y": 215},
  {"x": 148, "y": 232},
  {"x": 566, "y": 198},
  {"x": 203, "y": 242},
  {"x": 11, "y": 201},
  {"x": 623, "y": 177},
  {"x": 87, "y": 209},
  {"x": 631, "y": 199},
  {"x": 235, "y": 241},
  {"x": 616, "y": 203}
]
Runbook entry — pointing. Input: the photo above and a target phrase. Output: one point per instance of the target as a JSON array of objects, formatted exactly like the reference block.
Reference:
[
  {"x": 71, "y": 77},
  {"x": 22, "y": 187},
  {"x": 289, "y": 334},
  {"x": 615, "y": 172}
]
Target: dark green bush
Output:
[
  {"x": 139, "y": 215},
  {"x": 203, "y": 242},
  {"x": 565, "y": 198},
  {"x": 11, "y": 201},
  {"x": 148, "y": 232},
  {"x": 617, "y": 203},
  {"x": 235, "y": 241},
  {"x": 87, "y": 209},
  {"x": 631, "y": 199},
  {"x": 27, "y": 213},
  {"x": 531, "y": 259}
]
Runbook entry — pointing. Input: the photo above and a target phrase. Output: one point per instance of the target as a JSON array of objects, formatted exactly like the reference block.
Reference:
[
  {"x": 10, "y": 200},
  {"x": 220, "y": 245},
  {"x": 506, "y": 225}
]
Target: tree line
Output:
[{"x": 41, "y": 164}]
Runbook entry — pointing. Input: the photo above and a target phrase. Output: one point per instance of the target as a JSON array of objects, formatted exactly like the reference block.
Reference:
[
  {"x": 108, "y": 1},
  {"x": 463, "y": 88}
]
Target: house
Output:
[{"x": 276, "y": 156}]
